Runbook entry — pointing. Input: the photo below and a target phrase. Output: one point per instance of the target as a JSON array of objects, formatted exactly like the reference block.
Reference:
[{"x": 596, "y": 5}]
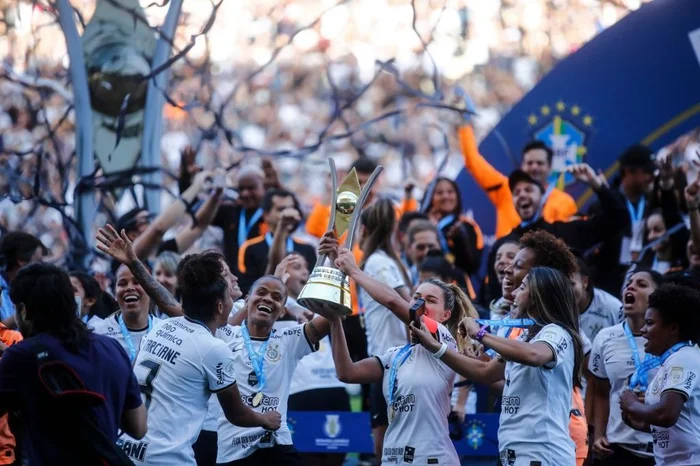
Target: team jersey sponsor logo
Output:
[
  {"x": 404, "y": 403},
  {"x": 409, "y": 454},
  {"x": 134, "y": 449},
  {"x": 661, "y": 438},
  {"x": 676, "y": 375},
  {"x": 246, "y": 441},
  {"x": 508, "y": 457},
  {"x": 219, "y": 373},
  {"x": 689, "y": 380},
  {"x": 268, "y": 403},
  {"x": 510, "y": 404}
]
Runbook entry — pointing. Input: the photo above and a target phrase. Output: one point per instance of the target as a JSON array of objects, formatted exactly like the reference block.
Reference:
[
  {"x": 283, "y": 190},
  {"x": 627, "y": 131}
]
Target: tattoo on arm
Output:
[{"x": 165, "y": 301}]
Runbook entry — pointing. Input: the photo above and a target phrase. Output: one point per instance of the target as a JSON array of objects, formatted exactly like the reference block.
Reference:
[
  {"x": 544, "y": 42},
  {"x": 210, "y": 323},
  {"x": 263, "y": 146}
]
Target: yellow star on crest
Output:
[
  {"x": 588, "y": 120},
  {"x": 561, "y": 106},
  {"x": 532, "y": 119},
  {"x": 575, "y": 110},
  {"x": 545, "y": 110}
]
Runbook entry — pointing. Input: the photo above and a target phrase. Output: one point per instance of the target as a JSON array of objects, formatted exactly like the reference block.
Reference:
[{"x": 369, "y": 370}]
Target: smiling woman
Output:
[{"x": 133, "y": 320}]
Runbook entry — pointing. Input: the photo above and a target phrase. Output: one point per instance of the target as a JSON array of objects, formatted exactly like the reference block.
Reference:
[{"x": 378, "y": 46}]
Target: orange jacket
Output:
[
  {"x": 7, "y": 440},
  {"x": 559, "y": 206},
  {"x": 578, "y": 426}
]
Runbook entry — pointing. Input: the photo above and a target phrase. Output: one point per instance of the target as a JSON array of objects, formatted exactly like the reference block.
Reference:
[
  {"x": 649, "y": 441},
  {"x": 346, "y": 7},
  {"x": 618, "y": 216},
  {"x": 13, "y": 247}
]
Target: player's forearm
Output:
[
  {"x": 248, "y": 418},
  {"x": 157, "y": 292},
  {"x": 383, "y": 294}
]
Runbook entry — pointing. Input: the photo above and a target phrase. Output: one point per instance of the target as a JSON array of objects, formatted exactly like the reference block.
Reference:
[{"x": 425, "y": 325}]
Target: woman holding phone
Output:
[{"x": 540, "y": 370}]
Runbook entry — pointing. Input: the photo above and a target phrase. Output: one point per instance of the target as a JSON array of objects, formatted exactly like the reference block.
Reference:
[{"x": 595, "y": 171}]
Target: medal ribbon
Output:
[
  {"x": 257, "y": 359},
  {"x": 640, "y": 378},
  {"x": 398, "y": 361},
  {"x": 245, "y": 227},
  {"x": 127, "y": 336},
  {"x": 519, "y": 323},
  {"x": 290, "y": 244}
]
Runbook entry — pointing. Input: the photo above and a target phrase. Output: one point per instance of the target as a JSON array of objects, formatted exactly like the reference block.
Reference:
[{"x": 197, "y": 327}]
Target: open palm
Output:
[{"x": 118, "y": 246}]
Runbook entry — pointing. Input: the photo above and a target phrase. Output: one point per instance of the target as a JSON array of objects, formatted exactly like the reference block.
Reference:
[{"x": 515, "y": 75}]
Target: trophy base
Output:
[{"x": 327, "y": 293}]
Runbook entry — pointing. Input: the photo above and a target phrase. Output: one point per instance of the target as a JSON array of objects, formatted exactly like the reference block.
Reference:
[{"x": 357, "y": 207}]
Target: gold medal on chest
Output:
[{"x": 257, "y": 399}]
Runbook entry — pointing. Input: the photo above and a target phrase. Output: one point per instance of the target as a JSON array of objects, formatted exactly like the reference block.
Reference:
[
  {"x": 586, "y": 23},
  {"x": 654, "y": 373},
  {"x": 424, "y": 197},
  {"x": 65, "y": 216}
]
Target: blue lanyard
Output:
[
  {"x": 639, "y": 214},
  {"x": 414, "y": 274},
  {"x": 401, "y": 357},
  {"x": 641, "y": 374},
  {"x": 519, "y": 323},
  {"x": 245, "y": 227},
  {"x": 257, "y": 359},
  {"x": 127, "y": 336},
  {"x": 290, "y": 244},
  {"x": 443, "y": 223},
  {"x": 85, "y": 318},
  {"x": 538, "y": 214}
]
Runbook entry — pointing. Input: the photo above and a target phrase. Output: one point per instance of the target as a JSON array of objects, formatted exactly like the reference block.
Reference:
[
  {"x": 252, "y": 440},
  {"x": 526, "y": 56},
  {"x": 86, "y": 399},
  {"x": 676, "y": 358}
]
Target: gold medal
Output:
[
  {"x": 257, "y": 399},
  {"x": 391, "y": 414}
]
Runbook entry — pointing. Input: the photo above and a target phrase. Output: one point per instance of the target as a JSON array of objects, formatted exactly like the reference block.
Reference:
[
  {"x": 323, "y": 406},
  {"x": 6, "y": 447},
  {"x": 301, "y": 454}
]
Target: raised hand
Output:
[
  {"x": 346, "y": 262},
  {"x": 329, "y": 245},
  {"x": 584, "y": 173},
  {"x": 424, "y": 337},
  {"x": 289, "y": 220},
  {"x": 468, "y": 327},
  {"x": 188, "y": 163},
  {"x": 281, "y": 271},
  {"x": 119, "y": 247}
]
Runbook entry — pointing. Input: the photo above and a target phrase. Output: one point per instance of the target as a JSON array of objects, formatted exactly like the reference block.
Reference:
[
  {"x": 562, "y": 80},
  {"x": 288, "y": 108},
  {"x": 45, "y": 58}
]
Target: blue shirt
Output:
[
  {"x": 104, "y": 368},
  {"x": 7, "y": 307}
]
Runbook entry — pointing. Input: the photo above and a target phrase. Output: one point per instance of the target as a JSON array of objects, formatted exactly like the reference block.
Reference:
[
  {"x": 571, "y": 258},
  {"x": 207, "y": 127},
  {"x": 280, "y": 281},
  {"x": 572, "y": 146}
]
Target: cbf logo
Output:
[
  {"x": 564, "y": 128},
  {"x": 475, "y": 433},
  {"x": 332, "y": 427}
]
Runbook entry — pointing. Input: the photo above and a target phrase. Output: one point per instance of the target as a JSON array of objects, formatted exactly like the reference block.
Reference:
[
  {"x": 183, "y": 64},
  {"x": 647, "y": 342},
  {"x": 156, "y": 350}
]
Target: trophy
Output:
[{"x": 328, "y": 289}]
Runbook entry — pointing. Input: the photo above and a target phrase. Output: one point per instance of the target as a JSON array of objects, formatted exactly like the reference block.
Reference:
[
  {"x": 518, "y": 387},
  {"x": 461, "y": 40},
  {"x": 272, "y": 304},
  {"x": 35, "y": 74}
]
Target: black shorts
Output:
[
  {"x": 377, "y": 406},
  {"x": 279, "y": 455},
  {"x": 320, "y": 399},
  {"x": 205, "y": 448}
]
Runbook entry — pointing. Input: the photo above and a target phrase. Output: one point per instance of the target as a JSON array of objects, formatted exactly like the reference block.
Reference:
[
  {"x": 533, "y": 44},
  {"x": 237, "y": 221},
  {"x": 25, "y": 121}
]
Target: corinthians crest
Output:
[{"x": 565, "y": 128}]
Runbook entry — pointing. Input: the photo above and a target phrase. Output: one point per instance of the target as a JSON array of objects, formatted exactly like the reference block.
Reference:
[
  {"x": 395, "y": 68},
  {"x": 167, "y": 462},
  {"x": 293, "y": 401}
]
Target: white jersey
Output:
[
  {"x": 536, "y": 405},
  {"x": 612, "y": 359},
  {"x": 284, "y": 350},
  {"x": 419, "y": 432},
  {"x": 109, "y": 327},
  {"x": 384, "y": 329},
  {"x": 93, "y": 321},
  {"x": 604, "y": 311},
  {"x": 587, "y": 346},
  {"x": 178, "y": 368},
  {"x": 678, "y": 445}
]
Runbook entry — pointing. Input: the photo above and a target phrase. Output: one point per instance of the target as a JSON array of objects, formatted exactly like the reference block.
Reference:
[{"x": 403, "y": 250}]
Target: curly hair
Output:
[
  {"x": 550, "y": 251},
  {"x": 678, "y": 304}
]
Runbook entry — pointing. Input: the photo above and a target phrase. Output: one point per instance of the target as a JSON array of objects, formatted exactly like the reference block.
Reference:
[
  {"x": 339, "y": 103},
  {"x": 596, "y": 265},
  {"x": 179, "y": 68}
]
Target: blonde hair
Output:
[{"x": 456, "y": 301}]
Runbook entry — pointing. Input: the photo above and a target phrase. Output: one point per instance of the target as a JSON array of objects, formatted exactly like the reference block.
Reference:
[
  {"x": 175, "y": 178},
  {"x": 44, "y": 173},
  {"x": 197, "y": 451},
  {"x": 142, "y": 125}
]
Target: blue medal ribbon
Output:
[
  {"x": 85, "y": 318},
  {"x": 290, "y": 244},
  {"x": 402, "y": 356},
  {"x": 519, "y": 323},
  {"x": 443, "y": 223},
  {"x": 640, "y": 379},
  {"x": 257, "y": 359},
  {"x": 127, "y": 336},
  {"x": 538, "y": 214},
  {"x": 638, "y": 215},
  {"x": 244, "y": 227}
]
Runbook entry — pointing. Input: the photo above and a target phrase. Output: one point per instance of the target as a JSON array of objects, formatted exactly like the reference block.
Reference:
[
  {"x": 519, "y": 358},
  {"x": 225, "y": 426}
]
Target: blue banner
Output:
[
  {"x": 636, "y": 82},
  {"x": 343, "y": 432}
]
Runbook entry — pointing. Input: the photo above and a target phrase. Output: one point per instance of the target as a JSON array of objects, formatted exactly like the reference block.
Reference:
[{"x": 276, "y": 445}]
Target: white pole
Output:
[{"x": 153, "y": 112}]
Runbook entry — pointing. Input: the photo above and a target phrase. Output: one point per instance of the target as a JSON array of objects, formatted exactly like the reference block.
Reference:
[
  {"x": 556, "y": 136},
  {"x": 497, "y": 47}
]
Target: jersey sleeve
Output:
[
  {"x": 218, "y": 367},
  {"x": 446, "y": 337},
  {"x": 296, "y": 344},
  {"x": 683, "y": 375},
  {"x": 384, "y": 270},
  {"x": 386, "y": 358},
  {"x": 595, "y": 362},
  {"x": 559, "y": 340},
  {"x": 587, "y": 345}
]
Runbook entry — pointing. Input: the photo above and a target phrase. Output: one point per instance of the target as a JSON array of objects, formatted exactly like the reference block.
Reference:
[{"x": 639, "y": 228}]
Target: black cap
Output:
[
  {"x": 638, "y": 156},
  {"x": 128, "y": 221},
  {"x": 519, "y": 175}
]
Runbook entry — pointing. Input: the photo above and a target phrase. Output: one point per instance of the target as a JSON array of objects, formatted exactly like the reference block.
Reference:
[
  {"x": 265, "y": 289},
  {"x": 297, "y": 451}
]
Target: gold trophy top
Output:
[{"x": 348, "y": 195}]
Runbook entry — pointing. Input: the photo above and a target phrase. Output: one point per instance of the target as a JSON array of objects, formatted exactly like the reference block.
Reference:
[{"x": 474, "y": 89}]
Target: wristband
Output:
[
  {"x": 439, "y": 353},
  {"x": 482, "y": 332}
]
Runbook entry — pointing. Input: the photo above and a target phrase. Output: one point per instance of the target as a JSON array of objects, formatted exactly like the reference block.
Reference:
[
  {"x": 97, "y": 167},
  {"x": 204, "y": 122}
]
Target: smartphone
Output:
[{"x": 413, "y": 312}]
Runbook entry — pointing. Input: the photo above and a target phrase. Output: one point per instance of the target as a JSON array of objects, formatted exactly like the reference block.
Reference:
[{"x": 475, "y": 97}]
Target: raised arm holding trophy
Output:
[{"x": 328, "y": 289}]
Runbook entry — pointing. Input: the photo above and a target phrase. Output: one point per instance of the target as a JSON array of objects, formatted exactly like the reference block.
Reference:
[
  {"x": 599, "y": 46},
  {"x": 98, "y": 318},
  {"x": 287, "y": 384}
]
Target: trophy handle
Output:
[
  {"x": 358, "y": 208},
  {"x": 334, "y": 197}
]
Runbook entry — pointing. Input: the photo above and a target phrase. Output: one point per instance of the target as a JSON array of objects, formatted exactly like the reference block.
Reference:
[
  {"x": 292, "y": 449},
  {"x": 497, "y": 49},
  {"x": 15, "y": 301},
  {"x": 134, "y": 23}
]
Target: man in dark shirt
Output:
[
  {"x": 282, "y": 215},
  {"x": 47, "y": 315},
  {"x": 579, "y": 234}
]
